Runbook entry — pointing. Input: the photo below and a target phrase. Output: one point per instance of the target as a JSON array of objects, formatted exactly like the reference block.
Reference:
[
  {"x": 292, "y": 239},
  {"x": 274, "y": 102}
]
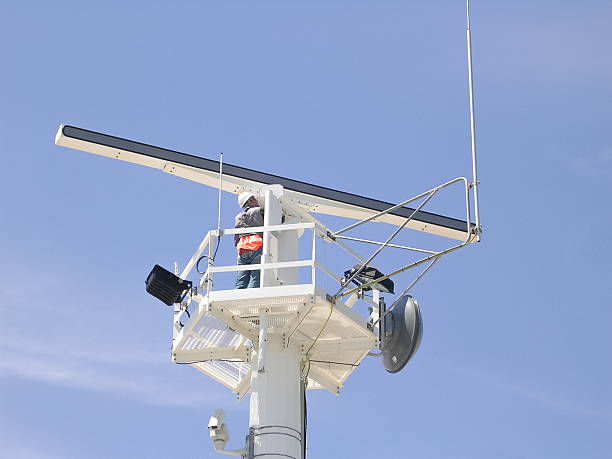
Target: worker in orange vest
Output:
[{"x": 249, "y": 245}]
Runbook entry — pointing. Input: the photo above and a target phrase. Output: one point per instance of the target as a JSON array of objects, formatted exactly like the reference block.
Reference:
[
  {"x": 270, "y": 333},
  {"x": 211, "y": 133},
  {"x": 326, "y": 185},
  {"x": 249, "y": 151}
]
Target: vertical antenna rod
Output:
[
  {"x": 211, "y": 260},
  {"x": 220, "y": 189},
  {"x": 475, "y": 182}
]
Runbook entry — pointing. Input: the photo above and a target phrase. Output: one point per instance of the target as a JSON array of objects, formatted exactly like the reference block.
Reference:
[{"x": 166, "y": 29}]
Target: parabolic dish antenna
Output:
[{"x": 403, "y": 333}]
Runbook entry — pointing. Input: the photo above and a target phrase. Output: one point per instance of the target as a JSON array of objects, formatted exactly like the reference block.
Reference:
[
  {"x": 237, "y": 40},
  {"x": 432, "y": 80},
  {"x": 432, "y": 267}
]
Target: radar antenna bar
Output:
[{"x": 237, "y": 179}]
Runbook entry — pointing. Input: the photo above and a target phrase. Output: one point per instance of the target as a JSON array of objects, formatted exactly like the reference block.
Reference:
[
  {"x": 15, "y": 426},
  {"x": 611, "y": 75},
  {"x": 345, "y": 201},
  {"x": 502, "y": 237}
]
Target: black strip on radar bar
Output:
[{"x": 260, "y": 177}]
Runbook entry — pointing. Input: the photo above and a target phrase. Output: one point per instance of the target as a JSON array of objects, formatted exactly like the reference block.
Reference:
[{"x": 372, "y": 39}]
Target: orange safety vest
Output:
[{"x": 249, "y": 242}]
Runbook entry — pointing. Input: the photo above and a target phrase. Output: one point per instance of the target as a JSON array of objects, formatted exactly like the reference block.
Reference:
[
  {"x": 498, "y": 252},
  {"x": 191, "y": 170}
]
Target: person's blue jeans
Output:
[{"x": 249, "y": 279}]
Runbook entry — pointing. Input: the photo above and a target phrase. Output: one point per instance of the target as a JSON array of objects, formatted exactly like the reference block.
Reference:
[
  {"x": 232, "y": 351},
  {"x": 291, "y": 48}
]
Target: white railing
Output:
[
  {"x": 209, "y": 243},
  {"x": 208, "y": 247}
]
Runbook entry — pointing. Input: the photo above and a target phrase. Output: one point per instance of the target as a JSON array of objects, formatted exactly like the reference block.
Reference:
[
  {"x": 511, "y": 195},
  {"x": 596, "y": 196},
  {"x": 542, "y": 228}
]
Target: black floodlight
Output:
[
  {"x": 402, "y": 333},
  {"x": 166, "y": 286},
  {"x": 369, "y": 274}
]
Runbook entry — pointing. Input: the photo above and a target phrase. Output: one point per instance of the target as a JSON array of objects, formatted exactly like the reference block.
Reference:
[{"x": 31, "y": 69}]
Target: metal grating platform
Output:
[{"x": 219, "y": 337}]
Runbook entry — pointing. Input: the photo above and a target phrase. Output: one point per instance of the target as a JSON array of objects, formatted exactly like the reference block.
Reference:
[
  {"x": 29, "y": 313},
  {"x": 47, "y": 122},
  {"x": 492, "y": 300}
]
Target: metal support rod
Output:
[
  {"x": 475, "y": 182},
  {"x": 356, "y": 239},
  {"x": 220, "y": 189},
  {"x": 382, "y": 309},
  {"x": 405, "y": 268},
  {"x": 363, "y": 266},
  {"x": 176, "y": 326},
  {"x": 210, "y": 264},
  {"x": 404, "y": 292},
  {"x": 314, "y": 256},
  {"x": 263, "y": 338},
  {"x": 397, "y": 206}
]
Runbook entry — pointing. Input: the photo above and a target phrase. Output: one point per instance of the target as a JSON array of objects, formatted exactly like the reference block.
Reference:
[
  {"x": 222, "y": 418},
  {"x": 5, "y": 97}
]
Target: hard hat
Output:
[{"x": 244, "y": 197}]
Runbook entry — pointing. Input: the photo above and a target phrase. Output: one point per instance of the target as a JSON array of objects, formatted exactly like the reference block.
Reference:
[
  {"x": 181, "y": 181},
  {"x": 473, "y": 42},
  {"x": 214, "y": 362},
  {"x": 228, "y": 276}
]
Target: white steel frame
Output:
[
  {"x": 217, "y": 303},
  {"x": 432, "y": 257},
  {"x": 207, "y": 297}
]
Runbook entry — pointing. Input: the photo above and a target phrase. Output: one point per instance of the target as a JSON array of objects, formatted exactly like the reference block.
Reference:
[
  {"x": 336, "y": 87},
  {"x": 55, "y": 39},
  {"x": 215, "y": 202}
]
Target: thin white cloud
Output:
[
  {"x": 119, "y": 380},
  {"x": 37, "y": 345},
  {"x": 67, "y": 351},
  {"x": 135, "y": 374},
  {"x": 596, "y": 166},
  {"x": 547, "y": 398}
]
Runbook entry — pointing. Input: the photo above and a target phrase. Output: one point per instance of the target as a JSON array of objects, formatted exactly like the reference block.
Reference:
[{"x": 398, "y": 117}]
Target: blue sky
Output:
[{"x": 366, "y": 97}]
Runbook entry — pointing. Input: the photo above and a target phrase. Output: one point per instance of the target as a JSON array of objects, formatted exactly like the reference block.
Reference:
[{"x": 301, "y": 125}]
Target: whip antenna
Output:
[
  {"x": 220, "y": 189},
  {"x": 475, "y": 182},
  {"x": 219, "y": 213}
]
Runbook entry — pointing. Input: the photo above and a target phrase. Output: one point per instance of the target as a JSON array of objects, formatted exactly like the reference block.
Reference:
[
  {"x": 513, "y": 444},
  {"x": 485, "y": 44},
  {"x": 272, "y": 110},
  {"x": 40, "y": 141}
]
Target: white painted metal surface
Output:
[
  {"x": 330, "y": 340},
  {"x": 294, "y": 312},
  {"x": 275, "y": 405},
  {"x": 265, "y": 340}
]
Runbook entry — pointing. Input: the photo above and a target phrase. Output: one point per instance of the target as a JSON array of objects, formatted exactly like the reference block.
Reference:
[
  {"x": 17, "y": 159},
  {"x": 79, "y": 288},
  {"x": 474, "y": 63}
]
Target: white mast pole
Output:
[
  {"x": 275, "y": 405},
  {"x": 475, "y": 181}
]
